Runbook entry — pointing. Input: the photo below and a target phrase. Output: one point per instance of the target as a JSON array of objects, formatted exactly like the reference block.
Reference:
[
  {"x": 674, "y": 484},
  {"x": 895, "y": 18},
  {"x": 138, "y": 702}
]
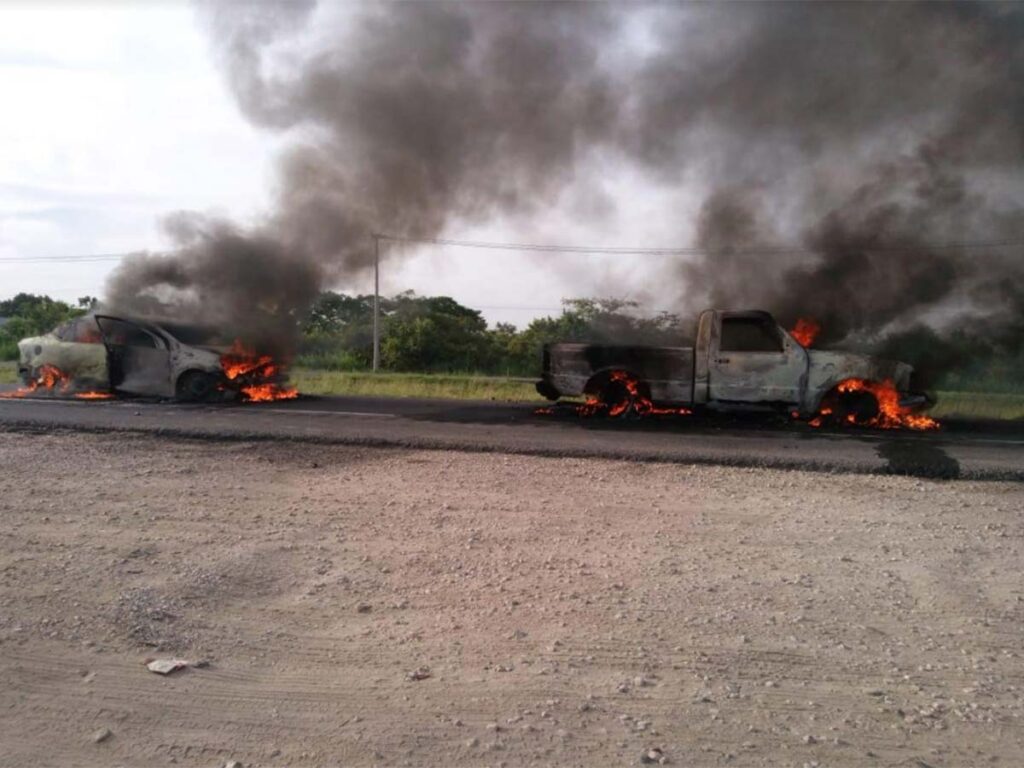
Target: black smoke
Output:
[
  {"x": 843, "y": 148},
  {"x": 869, "y": 175}
]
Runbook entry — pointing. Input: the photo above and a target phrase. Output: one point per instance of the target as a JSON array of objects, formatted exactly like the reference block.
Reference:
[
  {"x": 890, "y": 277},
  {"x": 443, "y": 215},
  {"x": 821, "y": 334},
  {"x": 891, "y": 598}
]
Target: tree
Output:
[
  {"x": 30, "y": 315},
  {"x": 433, "y": 334}
]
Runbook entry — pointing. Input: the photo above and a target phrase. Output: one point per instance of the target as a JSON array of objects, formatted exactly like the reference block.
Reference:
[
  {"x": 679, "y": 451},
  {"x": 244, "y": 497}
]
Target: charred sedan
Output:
[{"x": 127, "y": 356}]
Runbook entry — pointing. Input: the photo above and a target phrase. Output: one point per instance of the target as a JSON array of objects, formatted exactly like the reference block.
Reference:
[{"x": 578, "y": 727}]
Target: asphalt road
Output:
[{"x": 960, "y": 449}]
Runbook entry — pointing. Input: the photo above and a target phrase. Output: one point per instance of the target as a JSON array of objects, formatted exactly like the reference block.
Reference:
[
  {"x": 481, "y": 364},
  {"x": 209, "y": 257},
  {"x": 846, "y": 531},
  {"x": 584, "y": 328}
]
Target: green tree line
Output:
[{"x": 437, "y": 334}]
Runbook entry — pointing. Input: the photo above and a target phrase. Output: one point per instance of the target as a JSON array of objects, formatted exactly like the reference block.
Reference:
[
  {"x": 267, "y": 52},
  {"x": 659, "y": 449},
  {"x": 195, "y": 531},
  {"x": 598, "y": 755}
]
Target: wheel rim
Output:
[{"x": 197, "y": 386}]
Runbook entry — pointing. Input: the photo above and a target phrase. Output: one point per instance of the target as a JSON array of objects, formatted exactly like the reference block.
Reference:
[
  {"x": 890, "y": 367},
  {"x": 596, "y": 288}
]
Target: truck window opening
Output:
[{"x": 740, "y": 334}]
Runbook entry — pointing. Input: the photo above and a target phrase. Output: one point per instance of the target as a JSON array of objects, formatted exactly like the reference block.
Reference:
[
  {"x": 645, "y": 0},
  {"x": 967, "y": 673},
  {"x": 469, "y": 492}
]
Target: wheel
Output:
[
  {"x": 859, "y": 408},
  {"x": 619, "y": 399},
  {"x": 195, "y": 386}
]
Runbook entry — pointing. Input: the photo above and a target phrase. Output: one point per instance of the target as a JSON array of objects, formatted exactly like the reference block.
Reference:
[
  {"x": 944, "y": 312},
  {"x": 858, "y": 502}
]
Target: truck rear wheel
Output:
[
  {"x": 621, "y": 402},
  {"x": 618, "y": 393}
]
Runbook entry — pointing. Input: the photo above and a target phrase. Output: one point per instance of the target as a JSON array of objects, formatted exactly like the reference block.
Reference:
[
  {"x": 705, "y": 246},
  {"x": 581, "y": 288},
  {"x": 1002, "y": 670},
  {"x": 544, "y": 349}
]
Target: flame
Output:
[
  {"x": 262, "y": 393},
  {"x": 256, "y": 373},
  {"x": 890, "y": 414},
  {"x": 631, "y": 398},
  {"x": 806, "y": 331},
  {"x": 51, "y": 380}
]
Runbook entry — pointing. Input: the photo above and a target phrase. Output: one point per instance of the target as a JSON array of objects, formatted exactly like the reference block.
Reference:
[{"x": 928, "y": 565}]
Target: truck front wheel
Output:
[{"x": 858, "y": 407}]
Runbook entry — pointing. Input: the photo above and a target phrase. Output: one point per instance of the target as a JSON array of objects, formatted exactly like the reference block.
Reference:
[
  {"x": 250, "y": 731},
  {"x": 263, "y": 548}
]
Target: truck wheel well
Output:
[
  {"x": 598, "y": 383},
  {"x": 856, "y": 407}
]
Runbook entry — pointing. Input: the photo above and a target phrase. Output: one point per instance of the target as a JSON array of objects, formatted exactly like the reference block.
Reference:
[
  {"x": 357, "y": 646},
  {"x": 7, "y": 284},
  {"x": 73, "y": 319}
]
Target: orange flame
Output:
[
  {"x": 263, "y": 393},
  {"x": 806, "y": 331},
  {"x": 891, "y": 415},
  {"x": 256, "y": 370},
  {"x": 51, "y": 380},
  {"x": 631, "y": 397}
]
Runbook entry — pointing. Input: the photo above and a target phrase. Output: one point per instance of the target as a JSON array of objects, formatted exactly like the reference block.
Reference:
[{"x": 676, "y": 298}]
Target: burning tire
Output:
[
  {"x": 195, "y": 387},
  {"x": 859, "y": 408},
  {"x": 616, "y": 394},
  {"x": 620, "y": 398}
]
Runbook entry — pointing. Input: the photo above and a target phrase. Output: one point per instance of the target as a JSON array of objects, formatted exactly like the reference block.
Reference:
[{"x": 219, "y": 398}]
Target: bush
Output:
[{"x": 8, "y": 349}]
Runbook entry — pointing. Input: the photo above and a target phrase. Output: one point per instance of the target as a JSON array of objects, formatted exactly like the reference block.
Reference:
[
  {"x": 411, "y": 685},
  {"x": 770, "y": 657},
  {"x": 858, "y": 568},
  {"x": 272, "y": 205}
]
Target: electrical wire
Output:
[
  {"x": 759, "y": 250},
  {"x": 553, "y": 248}
]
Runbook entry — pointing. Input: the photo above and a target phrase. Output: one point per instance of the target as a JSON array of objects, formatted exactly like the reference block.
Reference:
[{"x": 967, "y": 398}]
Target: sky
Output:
[{"x": 115, "y": 115}]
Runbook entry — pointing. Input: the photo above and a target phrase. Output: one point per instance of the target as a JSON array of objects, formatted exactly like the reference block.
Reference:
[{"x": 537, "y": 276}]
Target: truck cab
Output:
[{"x": 747, "y": 358}]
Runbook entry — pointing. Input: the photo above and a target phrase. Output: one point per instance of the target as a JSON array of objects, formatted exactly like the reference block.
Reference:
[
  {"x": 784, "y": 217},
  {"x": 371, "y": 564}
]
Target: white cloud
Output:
[{"x": 114, "y": 115}]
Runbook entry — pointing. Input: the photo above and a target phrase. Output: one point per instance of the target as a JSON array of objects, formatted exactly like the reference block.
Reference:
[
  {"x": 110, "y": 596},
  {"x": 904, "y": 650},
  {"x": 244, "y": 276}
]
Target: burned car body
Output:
[
  {"x": 740, "y": 361},
  {"x": 123, "y": 355}
]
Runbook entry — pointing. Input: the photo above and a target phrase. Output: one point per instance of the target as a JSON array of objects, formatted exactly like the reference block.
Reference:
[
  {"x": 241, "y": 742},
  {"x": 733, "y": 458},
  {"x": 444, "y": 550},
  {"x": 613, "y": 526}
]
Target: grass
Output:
[
  {"x": 979, "y": 405},
  {"x": 973, "y": 405},
  {"x": 445, "y": 386}
]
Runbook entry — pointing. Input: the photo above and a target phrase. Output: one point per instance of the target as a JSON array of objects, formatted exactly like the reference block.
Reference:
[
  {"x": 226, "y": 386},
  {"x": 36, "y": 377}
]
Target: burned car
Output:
[
  {"x": 742, "y": 360},
  {"x": 128, "y": 356}
]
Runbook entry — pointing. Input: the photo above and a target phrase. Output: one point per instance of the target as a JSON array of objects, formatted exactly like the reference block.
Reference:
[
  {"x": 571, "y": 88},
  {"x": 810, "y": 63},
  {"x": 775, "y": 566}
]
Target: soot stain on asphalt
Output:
[{"x": 917, "y": 458}]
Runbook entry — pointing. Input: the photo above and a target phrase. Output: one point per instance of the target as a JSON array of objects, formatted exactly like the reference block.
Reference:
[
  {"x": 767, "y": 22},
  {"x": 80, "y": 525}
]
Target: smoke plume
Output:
[{"x": 843, "y": 148}]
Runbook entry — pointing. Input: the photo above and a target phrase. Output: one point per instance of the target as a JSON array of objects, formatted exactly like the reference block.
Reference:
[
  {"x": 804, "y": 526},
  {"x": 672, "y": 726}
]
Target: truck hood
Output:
[{"x": 836, "y": 366}]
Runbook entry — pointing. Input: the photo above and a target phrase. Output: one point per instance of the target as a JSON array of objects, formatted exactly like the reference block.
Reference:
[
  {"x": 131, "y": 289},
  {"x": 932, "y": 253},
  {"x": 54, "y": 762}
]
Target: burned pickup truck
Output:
[
  {"x": 740, "y": 361},
  {"x": 102, "y": 353}
]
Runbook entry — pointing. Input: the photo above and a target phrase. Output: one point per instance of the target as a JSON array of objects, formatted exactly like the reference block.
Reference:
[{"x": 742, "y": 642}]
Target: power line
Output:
[
  {"x": 681, "y": 251},
  {"x": 90, "y": 257},
  {"x": 531, "y": 309},
  {"x": 539, "y": 247},
  {"x": 553, "y": 248}
]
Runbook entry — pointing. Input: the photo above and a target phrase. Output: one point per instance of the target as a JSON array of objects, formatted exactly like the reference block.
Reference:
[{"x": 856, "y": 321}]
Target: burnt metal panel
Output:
[{"x": 668, "y": 371}]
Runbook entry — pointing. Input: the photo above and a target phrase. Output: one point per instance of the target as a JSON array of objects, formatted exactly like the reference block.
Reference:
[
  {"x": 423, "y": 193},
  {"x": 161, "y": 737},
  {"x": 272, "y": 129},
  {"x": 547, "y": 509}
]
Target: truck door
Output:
[
  {"x": 751, "y": 360},
  {"x": 138, "y": 360}
]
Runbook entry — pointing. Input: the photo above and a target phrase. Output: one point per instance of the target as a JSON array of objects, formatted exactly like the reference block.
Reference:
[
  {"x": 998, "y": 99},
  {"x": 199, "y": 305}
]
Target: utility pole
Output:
[{"x": 376, "y": 302}]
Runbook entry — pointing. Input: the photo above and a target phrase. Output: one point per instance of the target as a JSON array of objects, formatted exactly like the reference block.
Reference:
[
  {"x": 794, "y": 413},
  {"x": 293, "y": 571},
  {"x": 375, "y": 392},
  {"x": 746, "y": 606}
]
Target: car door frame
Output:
[{"x": 156, "y": 382}]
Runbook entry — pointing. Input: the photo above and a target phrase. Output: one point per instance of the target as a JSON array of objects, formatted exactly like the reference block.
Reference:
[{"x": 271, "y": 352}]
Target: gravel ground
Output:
[{"x": 354, "y": 606}]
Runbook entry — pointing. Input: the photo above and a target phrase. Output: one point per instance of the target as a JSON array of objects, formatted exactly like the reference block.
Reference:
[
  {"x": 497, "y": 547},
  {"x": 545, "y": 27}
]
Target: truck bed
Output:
[{"x": 667, "y": 370}]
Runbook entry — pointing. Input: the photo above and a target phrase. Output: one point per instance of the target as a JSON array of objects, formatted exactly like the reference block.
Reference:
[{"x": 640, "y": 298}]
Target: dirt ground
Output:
[{"x": 362, "y": 606}]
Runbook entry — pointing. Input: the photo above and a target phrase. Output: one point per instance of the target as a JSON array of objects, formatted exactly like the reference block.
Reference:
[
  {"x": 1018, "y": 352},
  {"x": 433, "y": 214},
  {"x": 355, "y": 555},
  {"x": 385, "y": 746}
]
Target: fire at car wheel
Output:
[
  {"x": 195, "y": 387},
  {"x": 856, "y": 408}
]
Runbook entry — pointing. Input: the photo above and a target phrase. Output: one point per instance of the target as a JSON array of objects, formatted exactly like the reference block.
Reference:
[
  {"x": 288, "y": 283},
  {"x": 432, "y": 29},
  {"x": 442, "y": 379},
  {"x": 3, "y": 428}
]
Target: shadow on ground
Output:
[{"x": 917, "y": 458}]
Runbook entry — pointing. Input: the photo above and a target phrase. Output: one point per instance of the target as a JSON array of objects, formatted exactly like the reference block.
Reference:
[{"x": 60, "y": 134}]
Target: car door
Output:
[
  {"x": 138, "y": 359},
  {"x": 753, "y": 361},
  {"x": 77, "y": 353}
]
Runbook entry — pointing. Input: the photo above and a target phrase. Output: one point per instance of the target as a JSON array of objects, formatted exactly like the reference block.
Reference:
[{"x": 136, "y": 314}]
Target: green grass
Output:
[
  {"x": 8, "y": 372},
  {"x": 447, "y": 386},
  {"x": 979, "y": 405}
]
